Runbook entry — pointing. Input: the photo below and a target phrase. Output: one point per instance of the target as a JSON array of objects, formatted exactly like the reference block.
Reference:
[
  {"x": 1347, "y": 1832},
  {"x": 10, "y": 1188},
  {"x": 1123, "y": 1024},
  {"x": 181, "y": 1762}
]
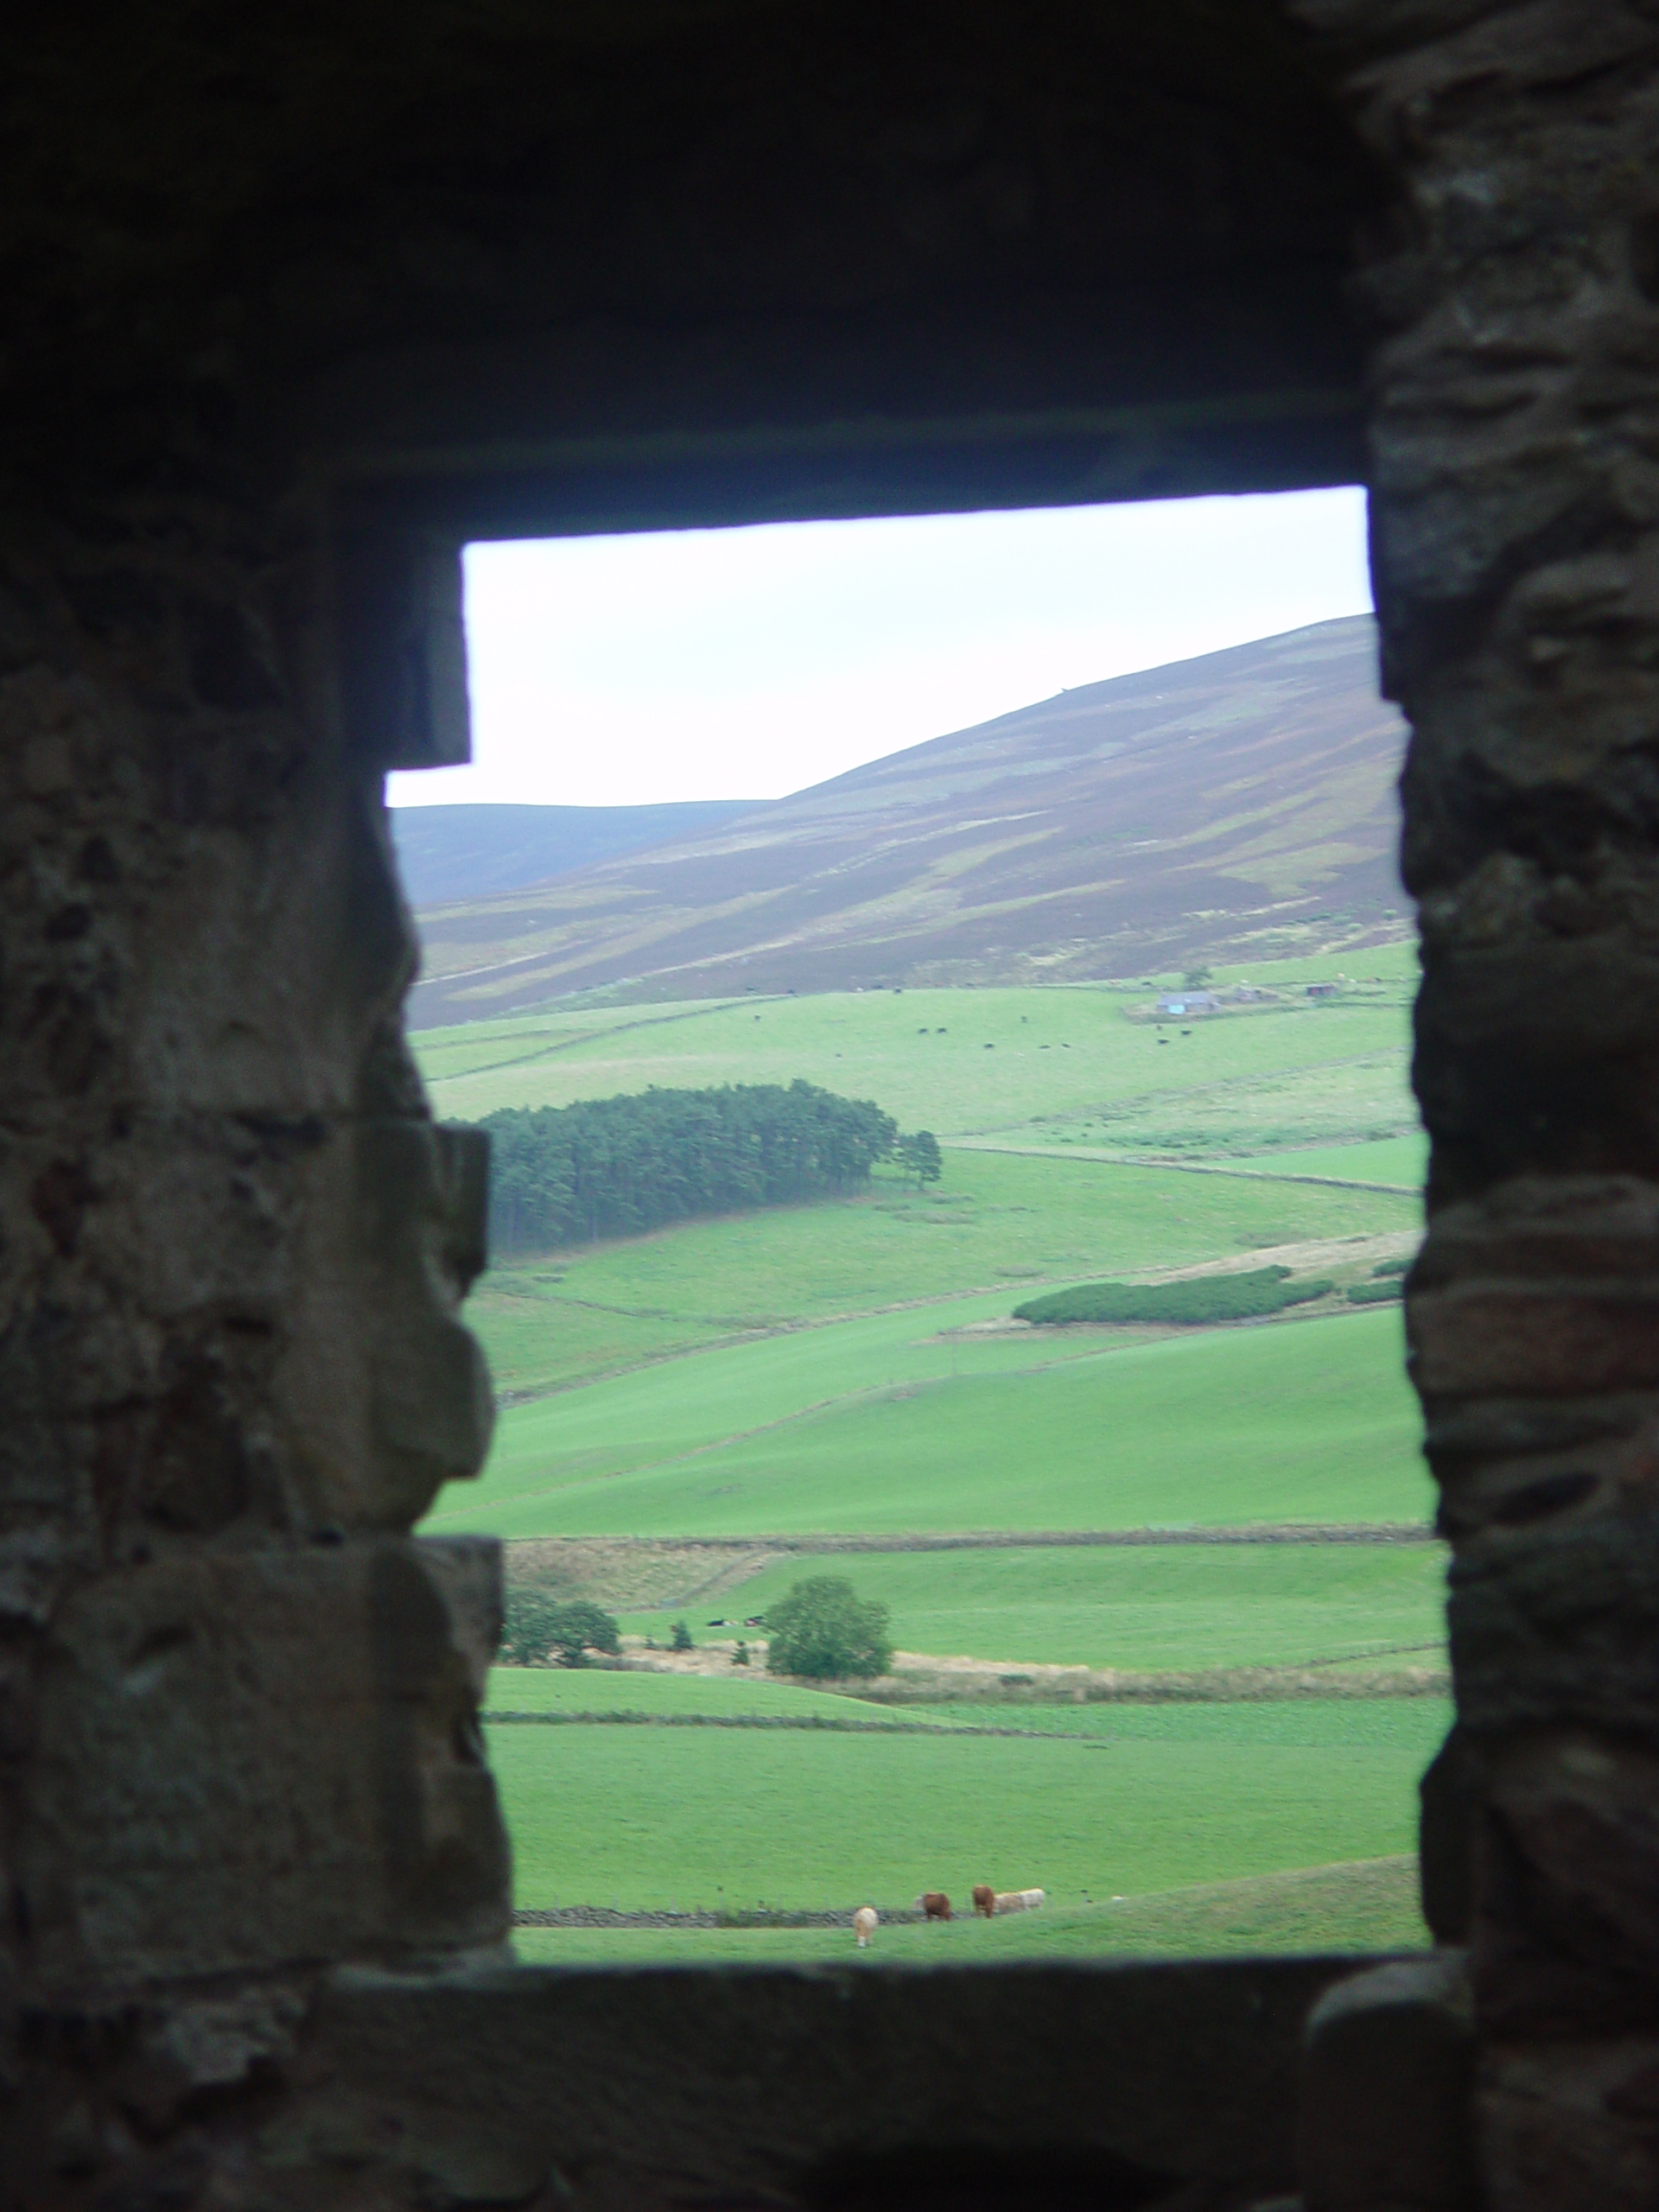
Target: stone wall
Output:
[
  {"x": 1516, "y": 543},
  {"x": 298, "y": 304},
  {"x": 239, "y": 1729}
]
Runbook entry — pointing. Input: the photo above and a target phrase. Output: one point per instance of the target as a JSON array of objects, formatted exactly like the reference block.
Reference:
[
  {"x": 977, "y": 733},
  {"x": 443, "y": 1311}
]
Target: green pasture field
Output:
[
  {"x": 606, "y": 1689},
  {"x": 958, "y": 1062},
  {"x": 1367, "y": 1904},
  {"x": 653, "y": 1819},
  {"x": 867, "y": 1427},
  {"x": 849, "y": 1367},
  {"x": 1401, "y": 1161},
  {"x": 994, "y": 1219},
  {"x": 1175, "y": 1607},
  {"x": 1330, "y": 1105}
]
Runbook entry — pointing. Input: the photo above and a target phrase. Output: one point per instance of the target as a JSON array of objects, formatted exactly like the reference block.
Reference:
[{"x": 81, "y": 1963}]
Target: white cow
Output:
[
  {"x": 865, "y": 1922},
  {"x": 1018, "y": 1900}
]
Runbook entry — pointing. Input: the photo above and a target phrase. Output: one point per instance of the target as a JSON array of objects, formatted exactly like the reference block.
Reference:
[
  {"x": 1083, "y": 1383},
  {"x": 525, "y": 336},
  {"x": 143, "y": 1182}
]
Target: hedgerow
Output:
[
  {"x": 1376, "y": 1293},
  {"x": 1198, "y": 1299}
]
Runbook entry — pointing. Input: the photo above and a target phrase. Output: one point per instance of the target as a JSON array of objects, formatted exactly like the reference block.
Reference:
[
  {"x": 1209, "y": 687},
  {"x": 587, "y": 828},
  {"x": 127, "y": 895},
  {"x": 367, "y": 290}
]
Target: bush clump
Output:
[
  {"x": 1390, "y": 1267},
  {"x": 1201, "y": 1298},
  {"x": 680, "y": 1638},
  {"x": 538, "y": 1627},
  {"x": 822, "y": 1628},
  {"x": 1376, "y": 1293}
]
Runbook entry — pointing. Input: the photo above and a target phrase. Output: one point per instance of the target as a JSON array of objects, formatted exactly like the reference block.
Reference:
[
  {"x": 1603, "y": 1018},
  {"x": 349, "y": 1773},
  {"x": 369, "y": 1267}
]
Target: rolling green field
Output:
[
  {"x": 978, "y": 1062},
  {"x": 1366, "y": 1904},
  {"x": 671, "y": 1697},
  {"x": 866, "y": 1427},
  {"x": 1176, "y": 1606},
  {"x": 1400, "y": 1161},
  {"x": 995, "y": 1220},
  {"x": 851, "y": 1368},
  {"x": 1150, "y": 1799}
]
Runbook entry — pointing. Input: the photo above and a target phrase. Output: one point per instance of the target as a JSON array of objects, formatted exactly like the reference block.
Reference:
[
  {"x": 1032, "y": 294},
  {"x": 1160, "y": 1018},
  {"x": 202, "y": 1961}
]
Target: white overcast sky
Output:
[{"x": 745, "y": 664}]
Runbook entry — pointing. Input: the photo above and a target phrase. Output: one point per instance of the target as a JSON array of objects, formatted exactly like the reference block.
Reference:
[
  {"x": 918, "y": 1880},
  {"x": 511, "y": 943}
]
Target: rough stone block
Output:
[
  {"x": 1128, "y": 2082},
  {"x": 249, "y": 1759},
  {"x": 1570, "y": 2127},
  {"x": 1567, "y": 1924},
  {"x": 1445, "y": 1841},
  {"x": 386, "y": 1391},
  {"x": 1386, "y": 2091},
  {"x": 1554, "y": 1627}
]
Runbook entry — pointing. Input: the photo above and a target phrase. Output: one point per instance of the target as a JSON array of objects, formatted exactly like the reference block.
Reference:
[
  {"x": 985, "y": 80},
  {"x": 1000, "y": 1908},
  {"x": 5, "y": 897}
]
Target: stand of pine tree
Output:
[{"x": 621, "y": 1167}]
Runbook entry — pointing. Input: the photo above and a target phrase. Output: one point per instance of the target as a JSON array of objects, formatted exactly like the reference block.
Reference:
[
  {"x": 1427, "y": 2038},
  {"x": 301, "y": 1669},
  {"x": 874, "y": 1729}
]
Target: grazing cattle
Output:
[
  {"x": 1017, "y": 1900},
  {"x": 865, "y": 1922},
  {"x": 935, "y": 1904},
  {"x": 984, "y": 1899}
]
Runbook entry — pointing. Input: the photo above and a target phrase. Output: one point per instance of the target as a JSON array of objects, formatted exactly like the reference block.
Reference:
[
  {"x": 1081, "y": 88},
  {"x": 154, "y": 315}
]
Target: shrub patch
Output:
[{"x": 1201, "y": 1298}]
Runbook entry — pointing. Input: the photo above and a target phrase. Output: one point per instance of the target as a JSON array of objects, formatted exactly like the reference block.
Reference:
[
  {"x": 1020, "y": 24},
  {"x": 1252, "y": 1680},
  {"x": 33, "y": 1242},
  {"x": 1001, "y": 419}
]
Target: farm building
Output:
[{"x": 1188, "y": 1002}]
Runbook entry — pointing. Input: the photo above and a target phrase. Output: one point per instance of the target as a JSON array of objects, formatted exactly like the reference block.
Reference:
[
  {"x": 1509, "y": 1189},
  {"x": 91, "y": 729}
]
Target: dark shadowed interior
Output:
[{"x": 298, "y": 302}]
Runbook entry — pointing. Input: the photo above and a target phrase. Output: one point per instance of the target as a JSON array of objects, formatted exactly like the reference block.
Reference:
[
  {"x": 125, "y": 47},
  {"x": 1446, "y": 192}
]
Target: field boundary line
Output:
[
  {"x": 600, "y": 1915},
  {"x": 1267, "y": 1532},
  {"x": 1094, "y": 1159},
  {"x": 828, "y": 1723}
]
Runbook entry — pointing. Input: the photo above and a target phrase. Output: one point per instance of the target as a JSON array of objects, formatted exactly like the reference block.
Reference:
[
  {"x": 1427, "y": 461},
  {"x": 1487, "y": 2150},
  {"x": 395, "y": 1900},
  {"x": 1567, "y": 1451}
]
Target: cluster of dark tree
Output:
[
  {"x": 619, "y": 1166},
  {"x": 823, "y": 1630},
  {"x": 1200, "y": 1298},
  {"x": 539, "y": 1629}
]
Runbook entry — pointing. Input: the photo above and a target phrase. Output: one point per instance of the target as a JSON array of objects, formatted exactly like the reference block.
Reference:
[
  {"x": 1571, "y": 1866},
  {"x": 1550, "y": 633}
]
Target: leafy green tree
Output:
[
  {"x": 1196, "y": 978},
  {"x": 822, "y": 1628},
  {"x": 681, "y": 1639},
  {"x": 538, "y": 1627},
  {"x": 919, "y": 1155}
]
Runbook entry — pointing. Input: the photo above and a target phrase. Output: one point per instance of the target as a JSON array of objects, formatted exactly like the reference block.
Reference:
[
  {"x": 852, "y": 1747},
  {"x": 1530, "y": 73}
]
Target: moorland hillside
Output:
[
  {"x": 449, "y": 854},
  {"x": 1237, "y": 806}
]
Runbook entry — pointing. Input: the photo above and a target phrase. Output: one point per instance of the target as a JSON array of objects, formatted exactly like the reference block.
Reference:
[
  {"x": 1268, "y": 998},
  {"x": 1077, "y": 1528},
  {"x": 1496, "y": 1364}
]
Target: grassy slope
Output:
[
  {"x": 864, "y": 1427},
  {"x": 678, "y": 1818},
  {"x": 1054, "y": 1053},
  {"x": 596, "y": 1689},
  {"x": 880, "y": 1421},
  {"x": 994, "y": 1219},
  {"x": 1367, "y": 1905},
  {"x": 1402, "y": 1161},
  {"x": 1174, "y": 1607}
]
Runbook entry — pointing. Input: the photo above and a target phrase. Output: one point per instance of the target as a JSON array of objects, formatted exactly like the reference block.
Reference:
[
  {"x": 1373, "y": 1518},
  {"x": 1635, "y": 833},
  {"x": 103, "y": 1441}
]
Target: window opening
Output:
[{"x": 939, "y": 990}]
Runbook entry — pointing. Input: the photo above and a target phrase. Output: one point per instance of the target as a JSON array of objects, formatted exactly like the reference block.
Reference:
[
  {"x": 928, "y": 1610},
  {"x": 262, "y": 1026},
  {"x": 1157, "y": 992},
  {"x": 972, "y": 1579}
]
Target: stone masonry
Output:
[
  {"x": 296, "y": 304},
  {"x": 1515, "y": 545}
]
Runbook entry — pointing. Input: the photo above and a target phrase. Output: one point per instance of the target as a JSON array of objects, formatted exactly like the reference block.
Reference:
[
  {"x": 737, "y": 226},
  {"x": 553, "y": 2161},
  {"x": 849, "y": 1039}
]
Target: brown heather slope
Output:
[{"x": 1233, "y": 807}]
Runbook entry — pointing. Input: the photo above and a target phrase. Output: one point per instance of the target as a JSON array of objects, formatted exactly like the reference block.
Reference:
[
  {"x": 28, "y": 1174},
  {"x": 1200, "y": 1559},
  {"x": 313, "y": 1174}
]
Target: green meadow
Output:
[
  {"x": 1366, "y": 1904},
  {"x": 876, "y": 1426},
  {"x": 995, "y": 1220},
  {"x": 1170, "y": 1608},
  {"x": 741, "y": 1818},
  {"x": 1109, "y": 1802},
  {"x": 852, "y": 1368},
  {"x": 978, "y": 1062}
]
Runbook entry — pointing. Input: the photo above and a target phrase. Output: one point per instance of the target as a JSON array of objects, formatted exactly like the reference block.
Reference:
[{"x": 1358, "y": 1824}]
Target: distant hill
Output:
[
  {"x": 1235, "y": 806},
  {"x": 449, "y": 854}
]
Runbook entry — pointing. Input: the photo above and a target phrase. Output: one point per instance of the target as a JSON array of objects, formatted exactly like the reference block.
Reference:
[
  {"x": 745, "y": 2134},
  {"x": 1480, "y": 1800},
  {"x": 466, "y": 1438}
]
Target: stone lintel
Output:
[{"x": 784, "y": 2084}]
